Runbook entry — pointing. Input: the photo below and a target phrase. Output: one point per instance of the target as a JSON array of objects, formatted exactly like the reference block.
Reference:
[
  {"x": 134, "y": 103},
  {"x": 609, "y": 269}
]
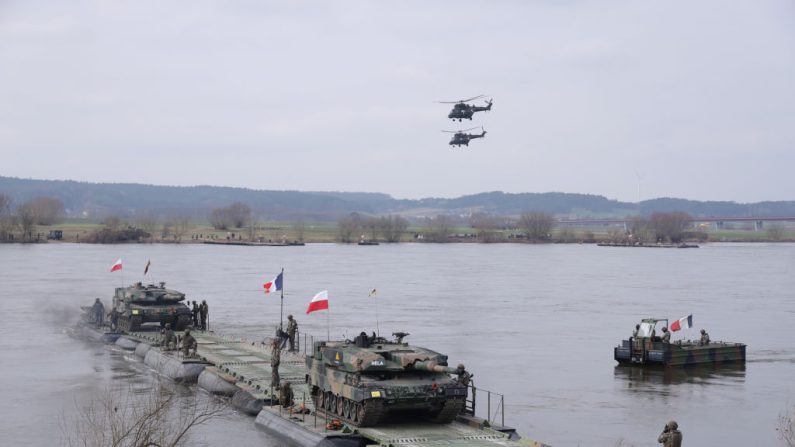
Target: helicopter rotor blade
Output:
[
  {"x": 462, "y": 100},
  {"x": 467, "y": 130}
]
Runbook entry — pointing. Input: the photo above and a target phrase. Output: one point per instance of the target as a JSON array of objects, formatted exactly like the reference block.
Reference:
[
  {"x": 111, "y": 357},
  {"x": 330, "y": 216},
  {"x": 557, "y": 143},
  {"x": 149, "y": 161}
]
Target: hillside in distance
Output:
[{"x": 98, "y": 200}]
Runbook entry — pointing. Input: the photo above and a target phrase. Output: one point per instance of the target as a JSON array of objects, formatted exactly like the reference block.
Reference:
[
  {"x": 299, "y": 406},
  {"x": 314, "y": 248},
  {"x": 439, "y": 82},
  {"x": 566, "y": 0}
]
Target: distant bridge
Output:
[{"x": 759, "y": 222}]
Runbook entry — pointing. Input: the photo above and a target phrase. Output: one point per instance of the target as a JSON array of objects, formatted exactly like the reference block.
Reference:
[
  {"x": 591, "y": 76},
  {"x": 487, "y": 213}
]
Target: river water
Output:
[{"x": 535, "y": 322}]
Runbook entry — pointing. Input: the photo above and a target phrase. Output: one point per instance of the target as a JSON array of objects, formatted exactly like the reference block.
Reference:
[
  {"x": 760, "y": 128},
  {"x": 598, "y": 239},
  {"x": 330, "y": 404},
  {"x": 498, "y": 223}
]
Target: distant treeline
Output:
[{"x": 100, "y": 200}]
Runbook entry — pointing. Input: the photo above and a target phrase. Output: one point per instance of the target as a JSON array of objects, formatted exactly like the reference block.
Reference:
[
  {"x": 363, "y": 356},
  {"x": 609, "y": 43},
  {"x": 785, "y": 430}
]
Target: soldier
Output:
[
  {"x": 635, "y": 332},
  {"x": 704, "y": 338},
  {"x": 671, "y": 436},
  {"x": 666, "y": 338},
  {"x": 285, "y": 394},
  {"x": 276, "y": 357},
  {"x": 169, "y": 338},
  {"x": 99, "y": 312},
  {"x": 188, "y": 343},
  {"x": 292, "y": 327},
  {"x": 194, "y": 313},
  {"x": 464, "y": 376},
  {"x": 203, "y": 310}
]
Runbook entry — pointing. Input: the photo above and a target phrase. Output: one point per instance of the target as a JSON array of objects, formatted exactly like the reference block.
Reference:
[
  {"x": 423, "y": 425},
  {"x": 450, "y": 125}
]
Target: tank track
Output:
[
  {"x": 449, "y": 411},
  {"x": 362, "y": 414}
]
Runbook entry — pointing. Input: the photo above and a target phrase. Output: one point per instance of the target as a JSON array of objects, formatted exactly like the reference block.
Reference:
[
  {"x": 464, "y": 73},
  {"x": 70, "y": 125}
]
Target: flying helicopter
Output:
[
  {"x": 463, "y": 110},
  {"x": 461, "y": 138}
]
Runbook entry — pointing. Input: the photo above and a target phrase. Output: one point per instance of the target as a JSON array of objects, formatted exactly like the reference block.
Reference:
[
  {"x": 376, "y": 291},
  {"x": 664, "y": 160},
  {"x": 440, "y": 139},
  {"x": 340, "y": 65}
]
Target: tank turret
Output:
[
  {"x": 370, "y": 379},
  {"x": 138, "y": 304}
]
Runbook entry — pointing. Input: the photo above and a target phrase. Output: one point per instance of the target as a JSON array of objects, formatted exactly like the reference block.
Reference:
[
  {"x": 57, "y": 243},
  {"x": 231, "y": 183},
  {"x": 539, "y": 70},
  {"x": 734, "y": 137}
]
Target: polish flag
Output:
[
  {"x": 273, "y": 285},
  {"x": 319, "y": 302},
  {"x": 682, "y": 323},
  {"x": 116, "y": 266}
]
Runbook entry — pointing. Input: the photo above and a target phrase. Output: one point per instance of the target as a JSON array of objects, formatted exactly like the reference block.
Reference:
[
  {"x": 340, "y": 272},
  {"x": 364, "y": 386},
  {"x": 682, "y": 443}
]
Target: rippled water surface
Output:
[{"x": 537, "y": 323}]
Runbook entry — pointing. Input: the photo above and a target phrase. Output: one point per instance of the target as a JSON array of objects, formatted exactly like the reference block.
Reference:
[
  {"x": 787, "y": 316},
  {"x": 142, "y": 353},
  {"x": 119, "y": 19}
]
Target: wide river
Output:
[{"x": 535, "y": 322}]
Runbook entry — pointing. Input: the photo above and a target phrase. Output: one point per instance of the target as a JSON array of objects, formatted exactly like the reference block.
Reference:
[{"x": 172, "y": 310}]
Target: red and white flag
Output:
[
  {"x": 116, "y": 266},
  {"x": 682, "y": 323},
  {"x": 319, "y": 302}
]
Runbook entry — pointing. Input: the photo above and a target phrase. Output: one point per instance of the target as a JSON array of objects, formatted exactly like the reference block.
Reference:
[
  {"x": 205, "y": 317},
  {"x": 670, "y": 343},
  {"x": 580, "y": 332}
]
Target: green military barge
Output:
[
  {"x": 646, "y": 348},
  {"x": 242, "y": 370}
]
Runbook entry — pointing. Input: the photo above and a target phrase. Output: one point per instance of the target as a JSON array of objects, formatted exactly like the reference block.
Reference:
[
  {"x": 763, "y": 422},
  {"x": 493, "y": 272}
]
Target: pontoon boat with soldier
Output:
[{"x": 647, "y": 347}]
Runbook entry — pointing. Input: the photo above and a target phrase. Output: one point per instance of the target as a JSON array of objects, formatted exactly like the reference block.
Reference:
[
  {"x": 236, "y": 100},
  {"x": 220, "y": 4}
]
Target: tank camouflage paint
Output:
[
  {"x": 367, "y": 380},
  {"x": 136, "y": 305},
  {"x": 647, "y": 349}
]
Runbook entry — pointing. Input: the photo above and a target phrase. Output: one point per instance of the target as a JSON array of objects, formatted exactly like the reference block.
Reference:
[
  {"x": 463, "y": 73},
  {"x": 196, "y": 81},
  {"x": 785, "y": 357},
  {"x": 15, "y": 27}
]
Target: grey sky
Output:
[{"x": 696, "y": 97}]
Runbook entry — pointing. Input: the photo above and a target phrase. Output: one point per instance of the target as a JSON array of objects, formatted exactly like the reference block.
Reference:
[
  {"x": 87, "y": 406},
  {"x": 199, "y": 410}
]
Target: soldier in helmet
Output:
[
  {"x": 169, "y": 338},
  {"x": 464, "y": 376},
  {"x": 194, "y": 313},
  {"x": 276, "y": 358},
  {"x": 203, "y": 310},
  {"x": 99, "y": 312},
  {"x": 292, "y": 327},
  {"x": 285, "y": 394},
  {"x": 671, "y": 436},
  {"x": 188, "y": 343},
  {"x": 666, "y": 337},
  {"x": 704, "y": 338},
  {"x": 635, "y": 332}
]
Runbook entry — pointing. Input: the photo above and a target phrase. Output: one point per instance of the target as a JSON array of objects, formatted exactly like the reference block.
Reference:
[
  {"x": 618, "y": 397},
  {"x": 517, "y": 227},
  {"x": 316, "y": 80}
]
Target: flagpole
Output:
[
  {"x": 281, "y": 309},
  {"x": 375, "y": 296},
  {"x": 328, "y": 324}
]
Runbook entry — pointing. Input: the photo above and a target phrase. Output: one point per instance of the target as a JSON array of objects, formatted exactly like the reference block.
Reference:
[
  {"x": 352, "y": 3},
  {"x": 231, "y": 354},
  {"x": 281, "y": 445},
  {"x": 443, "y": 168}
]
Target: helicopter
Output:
[
  {"x": 463, "y": 110},
  {"x": 461, "y": 138}
]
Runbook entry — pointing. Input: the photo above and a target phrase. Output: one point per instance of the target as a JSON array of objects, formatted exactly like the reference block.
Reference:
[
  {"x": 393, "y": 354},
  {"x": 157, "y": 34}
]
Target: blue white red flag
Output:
[
  {"x": 274, "y": 285},
  {"x": 682, "y": 323}
]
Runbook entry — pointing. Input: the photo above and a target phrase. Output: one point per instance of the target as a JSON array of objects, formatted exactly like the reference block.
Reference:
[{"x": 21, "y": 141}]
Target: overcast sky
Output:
[{"x": 682, "y": 98}]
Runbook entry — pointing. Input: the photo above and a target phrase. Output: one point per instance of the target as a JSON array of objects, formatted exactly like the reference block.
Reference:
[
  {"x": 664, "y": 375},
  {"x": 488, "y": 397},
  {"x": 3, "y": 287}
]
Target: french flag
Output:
[
  {"x": 274, "y": 285},
  {"x": 682, "y": 323},
  {"x": 319, "y": 302}
]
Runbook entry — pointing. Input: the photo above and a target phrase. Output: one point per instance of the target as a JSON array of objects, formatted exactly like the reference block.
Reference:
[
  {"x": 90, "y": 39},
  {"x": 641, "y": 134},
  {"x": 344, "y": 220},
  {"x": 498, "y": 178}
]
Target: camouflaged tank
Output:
[
  {"x": 370, "y": 379},
  {"x": 136, "y": 305}
]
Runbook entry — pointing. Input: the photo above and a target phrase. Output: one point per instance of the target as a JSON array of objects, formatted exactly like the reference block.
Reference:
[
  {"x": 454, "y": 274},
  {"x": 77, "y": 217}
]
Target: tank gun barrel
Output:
[{"x": 434, "y": 367}]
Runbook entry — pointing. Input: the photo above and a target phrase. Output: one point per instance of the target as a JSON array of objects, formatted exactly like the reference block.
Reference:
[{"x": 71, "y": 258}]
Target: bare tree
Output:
[
  {"x": 348, "y": 228},
  {"x": 372, "y": 224},
  {"x": 147, "y": 222},
  {"x": 27, "y": 220},
  {"x": 487, "y": 226},
  {"x": 128, "y": 419},
  {"x": 240, "y": 213},
  {"x": 670, "y": 226},
  {"x": 48, "y": 210},
  {"x": 220, "y": 219},
  {"x": 392, "y": 227},
  {"x": 7, "y": 219},
  {"x": 775, "y": 233},
  {"x": 438, "y": 228},
  {"x": 167, "y": 229},
  {"x": 181, "y": 226},
  {"x": 641, "y": 229},
  {"x": 536, "y": 225},
  {"x": 298, "y": 230},
  {"x": 112, "y": 223},
  {"x": 786, "y": 427}
]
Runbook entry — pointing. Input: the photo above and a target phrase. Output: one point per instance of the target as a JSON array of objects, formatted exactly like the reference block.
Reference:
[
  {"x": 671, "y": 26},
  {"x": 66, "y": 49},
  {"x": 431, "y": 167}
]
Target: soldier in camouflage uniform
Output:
[
  {"x": 188, "y": 343},
  {"x": 671, "y": 436},
  {"x": 292, "y": 327},
  {"x": 99, "y": 312},
  {"x": 704, "y": 338},
  {"x": 666, "y": 337},
  {"x": 203, "y": 310},
  {"x": 169, "y": 338},
  {"x": 464, "y": 376},
  {"x": 276, "y": 357},
  {"x": 286, "y": 394}
]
